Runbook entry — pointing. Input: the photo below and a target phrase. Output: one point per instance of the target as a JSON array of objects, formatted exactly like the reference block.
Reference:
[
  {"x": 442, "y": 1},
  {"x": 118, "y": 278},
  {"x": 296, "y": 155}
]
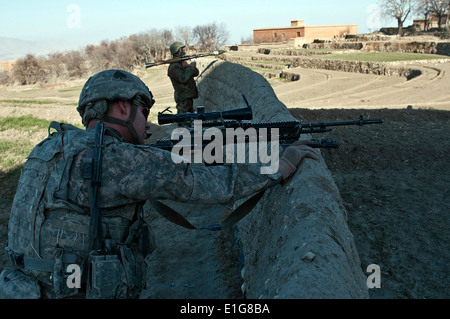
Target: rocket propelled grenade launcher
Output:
[{"x": 184, "y": 58}]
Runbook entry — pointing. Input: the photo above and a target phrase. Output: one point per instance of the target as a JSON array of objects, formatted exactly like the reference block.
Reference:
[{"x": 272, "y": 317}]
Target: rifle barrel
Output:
[{"x": 361, "y": 121}]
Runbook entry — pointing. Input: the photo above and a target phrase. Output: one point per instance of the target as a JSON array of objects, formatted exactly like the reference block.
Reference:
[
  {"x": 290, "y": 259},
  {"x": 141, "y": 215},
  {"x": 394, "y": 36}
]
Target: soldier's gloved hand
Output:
[{"x": 293, "y": 156}]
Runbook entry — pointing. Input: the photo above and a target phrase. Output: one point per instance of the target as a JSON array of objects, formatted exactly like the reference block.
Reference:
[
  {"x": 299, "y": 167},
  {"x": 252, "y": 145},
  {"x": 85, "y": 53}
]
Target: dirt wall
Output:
[
  {"x": 295, "y": 242},
  {"x": 442, "y": 48},
  {"x": 377, "y": 68},
  {"x": 429, "y": 47}
]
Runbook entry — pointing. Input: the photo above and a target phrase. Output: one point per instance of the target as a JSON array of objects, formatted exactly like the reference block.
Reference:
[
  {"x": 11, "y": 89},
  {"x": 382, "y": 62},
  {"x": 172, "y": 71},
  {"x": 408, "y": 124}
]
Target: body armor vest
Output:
[{"x": 48, "y": 231}]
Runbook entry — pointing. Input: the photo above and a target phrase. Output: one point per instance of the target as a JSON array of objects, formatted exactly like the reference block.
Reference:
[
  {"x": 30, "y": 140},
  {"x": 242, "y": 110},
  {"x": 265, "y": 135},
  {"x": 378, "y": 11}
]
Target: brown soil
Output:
[{"x": 394, "y": 180}]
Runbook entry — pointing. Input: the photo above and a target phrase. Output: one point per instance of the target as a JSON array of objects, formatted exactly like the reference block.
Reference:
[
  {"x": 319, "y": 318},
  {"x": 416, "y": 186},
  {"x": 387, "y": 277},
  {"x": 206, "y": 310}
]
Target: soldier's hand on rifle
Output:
[{"x": 293, "y": 156}]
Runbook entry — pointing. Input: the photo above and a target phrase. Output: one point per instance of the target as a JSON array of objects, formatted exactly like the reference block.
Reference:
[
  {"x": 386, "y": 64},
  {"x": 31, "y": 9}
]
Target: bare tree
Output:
[
  {"x": 55, "y": 66},
  {"x": 27, "y": 70},
  {"x": 5, "y": 78},
  {"x": 166, "y": 39},
  {"x": 100, "y": 56},
  {"x": 75, "y": 64},
  {"x": 143, "y": 46},
  {"x": 247, "y": 40},
  {"x": 423, "y": 8},
  {"x": 397, "y": 9},
  {"x": 153, "y": 44},
  {"x": 184, "y": 33},
  {"x": 210, "y": 36}
]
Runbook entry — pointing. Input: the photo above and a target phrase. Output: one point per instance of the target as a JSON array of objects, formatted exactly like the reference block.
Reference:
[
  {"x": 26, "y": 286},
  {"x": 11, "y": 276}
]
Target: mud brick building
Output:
[
  {"x": 298, "y": 30},
  {"x": 432, "y": 22}
]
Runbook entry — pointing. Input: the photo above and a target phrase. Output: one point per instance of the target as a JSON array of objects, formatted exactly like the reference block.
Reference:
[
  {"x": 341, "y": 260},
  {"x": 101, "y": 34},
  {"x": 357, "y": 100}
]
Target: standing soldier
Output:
[{"x": 182, "y": 76}]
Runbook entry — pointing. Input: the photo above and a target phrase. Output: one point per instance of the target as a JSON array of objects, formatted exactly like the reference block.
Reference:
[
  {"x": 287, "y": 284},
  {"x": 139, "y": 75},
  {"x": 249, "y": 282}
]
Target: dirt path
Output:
[
  {"x": 334, "y": 89},
  {"x": 392, "y": 179}
]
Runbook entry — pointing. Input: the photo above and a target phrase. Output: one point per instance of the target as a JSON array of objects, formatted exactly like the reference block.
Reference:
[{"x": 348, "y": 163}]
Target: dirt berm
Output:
[{"x": 294, "y": 244}]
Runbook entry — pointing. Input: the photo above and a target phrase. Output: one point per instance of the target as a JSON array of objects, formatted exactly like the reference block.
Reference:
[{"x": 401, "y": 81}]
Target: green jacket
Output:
[{"x": 183, "y": 82}]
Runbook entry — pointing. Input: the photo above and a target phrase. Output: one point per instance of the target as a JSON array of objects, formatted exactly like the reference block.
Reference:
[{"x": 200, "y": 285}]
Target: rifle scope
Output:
[{"x": 234, "y": 114}]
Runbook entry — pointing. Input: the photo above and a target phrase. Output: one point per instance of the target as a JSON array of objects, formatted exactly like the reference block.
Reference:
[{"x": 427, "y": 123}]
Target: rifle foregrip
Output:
[{"x": 323, "y": 143}]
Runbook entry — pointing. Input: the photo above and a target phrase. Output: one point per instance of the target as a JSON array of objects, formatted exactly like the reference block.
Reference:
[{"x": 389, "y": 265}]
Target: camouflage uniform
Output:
[
  {"x": 183, "y": 82},
  {"x": 50, "y": 215},
  {"x": 184, "y": 85}
]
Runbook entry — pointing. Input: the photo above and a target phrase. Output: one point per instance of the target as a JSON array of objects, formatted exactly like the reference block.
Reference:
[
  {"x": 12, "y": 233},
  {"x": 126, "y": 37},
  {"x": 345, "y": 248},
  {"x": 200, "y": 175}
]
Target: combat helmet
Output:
[
  {"x": 174, "y": 47},
  {"x": 110, "y": 85}
]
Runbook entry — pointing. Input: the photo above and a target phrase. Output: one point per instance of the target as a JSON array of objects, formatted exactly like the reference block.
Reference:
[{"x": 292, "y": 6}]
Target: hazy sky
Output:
[{"x": 86, "y": 22}]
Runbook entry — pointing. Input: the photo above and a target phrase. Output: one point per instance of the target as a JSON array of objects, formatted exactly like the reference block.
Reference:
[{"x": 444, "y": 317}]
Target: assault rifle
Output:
[
  {"x": 237, "y": 119},
  {"x": 183, "y": 58},
  {"x": 288, "y": 131}
]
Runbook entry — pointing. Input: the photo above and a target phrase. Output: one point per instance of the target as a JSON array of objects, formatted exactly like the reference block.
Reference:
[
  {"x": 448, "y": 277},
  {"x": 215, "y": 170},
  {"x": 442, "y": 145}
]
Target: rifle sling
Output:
[
  {"x": 242, "y": 210},
  {"x": 239, "y": 213},
  {"x": 171, "y": 214}
]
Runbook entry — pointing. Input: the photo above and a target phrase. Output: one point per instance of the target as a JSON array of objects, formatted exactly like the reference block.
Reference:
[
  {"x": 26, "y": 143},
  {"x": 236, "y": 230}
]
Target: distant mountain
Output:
[{"x": 12, "y": 49}]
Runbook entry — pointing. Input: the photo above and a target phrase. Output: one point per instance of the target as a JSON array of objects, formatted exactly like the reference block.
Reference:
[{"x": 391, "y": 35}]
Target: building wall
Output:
[
  {"x": 330, "y": 31},
  {"x": 432, "y": 22},
  {"x": 299, "y": 30},
  {"x": 277, "y": 34}
]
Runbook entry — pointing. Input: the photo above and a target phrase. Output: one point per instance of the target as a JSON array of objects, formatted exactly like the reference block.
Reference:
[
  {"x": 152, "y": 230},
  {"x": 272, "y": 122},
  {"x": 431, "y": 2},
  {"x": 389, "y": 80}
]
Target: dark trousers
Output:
[{"x": 186, "y": 106}]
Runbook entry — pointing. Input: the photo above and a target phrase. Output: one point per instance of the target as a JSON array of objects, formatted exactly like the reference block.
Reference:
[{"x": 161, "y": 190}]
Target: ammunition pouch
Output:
[
  {"x": 120, "y": 273},
  {"x": 115, "y": 275},
  {"x": 51, "y": 272},
  {"x": 105, "y": 276}
]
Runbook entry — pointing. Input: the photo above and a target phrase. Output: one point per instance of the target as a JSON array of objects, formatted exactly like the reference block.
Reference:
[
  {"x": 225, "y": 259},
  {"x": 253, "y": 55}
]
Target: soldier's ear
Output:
[{"x": 124, "y": 108}]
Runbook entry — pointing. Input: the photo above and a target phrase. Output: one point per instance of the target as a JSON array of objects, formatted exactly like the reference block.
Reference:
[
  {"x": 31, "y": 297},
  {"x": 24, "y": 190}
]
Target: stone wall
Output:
[
  {"x": 378, "y": 68},
  {"x": 429, "y": 47},
  {"x": 401, "y": 46}
]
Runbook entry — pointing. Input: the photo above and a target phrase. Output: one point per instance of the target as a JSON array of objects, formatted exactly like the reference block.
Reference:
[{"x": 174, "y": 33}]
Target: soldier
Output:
[
  {"x": 182, "y": 76},
  {"x": 80, "y": 197}
]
